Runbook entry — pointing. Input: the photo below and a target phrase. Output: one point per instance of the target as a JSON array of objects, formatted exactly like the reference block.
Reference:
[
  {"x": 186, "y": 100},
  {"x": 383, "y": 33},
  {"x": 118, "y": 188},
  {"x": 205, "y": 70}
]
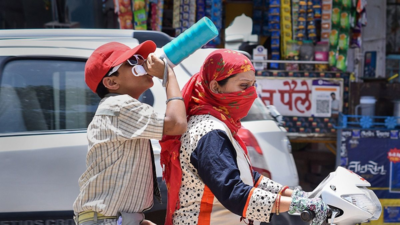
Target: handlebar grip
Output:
[{"x": 307, "y": 215}]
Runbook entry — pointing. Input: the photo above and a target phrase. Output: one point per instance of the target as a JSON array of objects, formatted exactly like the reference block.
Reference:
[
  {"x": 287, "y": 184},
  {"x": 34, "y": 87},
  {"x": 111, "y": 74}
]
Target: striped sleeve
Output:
[{"x": 139, "y": 120}]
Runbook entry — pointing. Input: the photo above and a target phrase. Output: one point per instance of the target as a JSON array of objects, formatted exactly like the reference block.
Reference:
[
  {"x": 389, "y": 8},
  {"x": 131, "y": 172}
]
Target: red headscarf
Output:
[{"x": 230, "y": 108}]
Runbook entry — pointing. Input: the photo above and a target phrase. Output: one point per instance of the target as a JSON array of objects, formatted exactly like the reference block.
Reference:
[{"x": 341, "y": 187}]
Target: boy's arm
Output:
[{"x": 175, "y": 122}]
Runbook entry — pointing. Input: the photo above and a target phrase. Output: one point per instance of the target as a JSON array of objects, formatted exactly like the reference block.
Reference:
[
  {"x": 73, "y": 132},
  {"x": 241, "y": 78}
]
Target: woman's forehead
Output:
[{"x": 245, "y": 76}]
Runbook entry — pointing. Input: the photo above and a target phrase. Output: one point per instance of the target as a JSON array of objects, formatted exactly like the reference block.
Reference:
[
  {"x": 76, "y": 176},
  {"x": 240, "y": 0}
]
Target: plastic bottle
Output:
[
  {"x": 189, "y": 41},
  {"x": 307, "y": 54}
]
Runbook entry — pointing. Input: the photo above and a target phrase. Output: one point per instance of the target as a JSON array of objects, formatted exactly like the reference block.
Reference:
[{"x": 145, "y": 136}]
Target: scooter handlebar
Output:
[{"x": 307, "y": 215}]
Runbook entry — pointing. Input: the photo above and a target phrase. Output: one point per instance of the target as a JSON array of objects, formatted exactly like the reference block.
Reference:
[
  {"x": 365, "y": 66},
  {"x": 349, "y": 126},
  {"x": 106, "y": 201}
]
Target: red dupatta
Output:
[{"x": 230, "y": 108}]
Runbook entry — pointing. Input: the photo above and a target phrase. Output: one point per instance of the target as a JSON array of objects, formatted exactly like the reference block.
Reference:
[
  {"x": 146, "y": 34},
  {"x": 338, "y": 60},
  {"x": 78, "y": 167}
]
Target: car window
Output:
[
  {"x": 42, "y": 94},
  {"x": 258, "y": 111},
  {"x": 147, "y": 97}
]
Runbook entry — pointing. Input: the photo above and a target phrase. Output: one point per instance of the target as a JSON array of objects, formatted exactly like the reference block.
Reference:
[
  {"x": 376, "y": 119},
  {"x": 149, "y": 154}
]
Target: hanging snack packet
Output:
[
  {"x": 341, "y": 63},
  {"x": 326, "y": 20},
  {"x": 332, "y": 58},
  {"x": 274, "y": 11},
  {"x": 334, "y": 37},
  {"x": 200, "y": 9},
  {"x": 140, "y": 19},
  {"x": 343, "y": 42},
  {"x": 274, "y": 3},
  {"x": 275, "y": 44},
  {"x": 345, "y": 20},
  {"x": 317, "y": 9},
  {"x": 302, "y": 6},
  {"x": 301, "y": 34},
  {"x": 273, "y": 18},
  {"x": 286, "y": 26},
  {"x": 275, "y": 56},
  {"x": 336, "y": 15},
  {"x": 355, "y": 40},
  {"x": 309, "y": 6},
  {"x": 176, "y": 14},
  {"x": 346, "y": 4},
  {"x": 295, "y": 16}
]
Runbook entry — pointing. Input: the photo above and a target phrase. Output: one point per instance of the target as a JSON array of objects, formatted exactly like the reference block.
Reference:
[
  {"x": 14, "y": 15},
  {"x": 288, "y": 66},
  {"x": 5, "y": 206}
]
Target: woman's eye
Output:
[{"x": 244, "y": 85}]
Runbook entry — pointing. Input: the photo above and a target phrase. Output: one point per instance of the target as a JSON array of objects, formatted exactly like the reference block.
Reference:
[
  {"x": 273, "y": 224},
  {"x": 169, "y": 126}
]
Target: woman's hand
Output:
[
  {"x": 316, "y": 205},
  {"x": 297, "y": 192}
]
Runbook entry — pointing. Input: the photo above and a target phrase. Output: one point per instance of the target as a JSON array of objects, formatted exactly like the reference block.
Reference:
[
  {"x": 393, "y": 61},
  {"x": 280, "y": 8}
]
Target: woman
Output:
[{"x": 207, "y": 170}]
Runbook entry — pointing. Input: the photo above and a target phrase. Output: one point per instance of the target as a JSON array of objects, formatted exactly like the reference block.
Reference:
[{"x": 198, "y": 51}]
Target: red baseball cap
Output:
[{"x": 109, "y": 55}]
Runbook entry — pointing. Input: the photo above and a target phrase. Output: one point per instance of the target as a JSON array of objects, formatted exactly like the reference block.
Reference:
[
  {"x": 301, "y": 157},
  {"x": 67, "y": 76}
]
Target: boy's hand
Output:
[{"x": 154, "y": 66}]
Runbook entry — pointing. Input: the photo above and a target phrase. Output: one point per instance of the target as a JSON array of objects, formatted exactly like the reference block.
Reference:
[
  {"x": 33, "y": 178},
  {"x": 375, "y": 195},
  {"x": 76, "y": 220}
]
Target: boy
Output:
[{"x": 120, "y": 171}]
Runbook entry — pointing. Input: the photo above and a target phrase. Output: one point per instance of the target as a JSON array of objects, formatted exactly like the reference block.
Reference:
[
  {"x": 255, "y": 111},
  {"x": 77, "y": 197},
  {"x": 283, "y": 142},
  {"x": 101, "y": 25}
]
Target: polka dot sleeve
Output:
[
  {"x": 267, "y": 184},
  {"x": 259, "y": 205}
]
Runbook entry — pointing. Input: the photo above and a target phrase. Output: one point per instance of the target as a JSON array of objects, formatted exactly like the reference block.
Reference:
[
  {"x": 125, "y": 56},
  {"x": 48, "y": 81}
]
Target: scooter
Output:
[{"x": 349, "y": 199}]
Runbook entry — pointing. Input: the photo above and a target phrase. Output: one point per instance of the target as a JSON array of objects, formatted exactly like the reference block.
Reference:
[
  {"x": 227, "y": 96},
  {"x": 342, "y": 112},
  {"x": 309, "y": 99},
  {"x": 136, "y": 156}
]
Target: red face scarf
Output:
[{"x": 230, "y": 108}]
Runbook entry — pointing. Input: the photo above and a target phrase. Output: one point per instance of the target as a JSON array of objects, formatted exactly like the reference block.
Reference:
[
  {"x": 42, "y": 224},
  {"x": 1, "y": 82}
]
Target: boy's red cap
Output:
[{"x": 109, "y": 55}]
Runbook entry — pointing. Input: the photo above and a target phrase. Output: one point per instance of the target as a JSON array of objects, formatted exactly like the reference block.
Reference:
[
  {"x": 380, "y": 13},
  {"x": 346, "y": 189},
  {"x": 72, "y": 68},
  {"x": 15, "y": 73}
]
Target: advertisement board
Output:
[
  {"x": 302, "y": 96},
  {"x": 375, "y": 155},
  {"x": 309, "y": 101}
]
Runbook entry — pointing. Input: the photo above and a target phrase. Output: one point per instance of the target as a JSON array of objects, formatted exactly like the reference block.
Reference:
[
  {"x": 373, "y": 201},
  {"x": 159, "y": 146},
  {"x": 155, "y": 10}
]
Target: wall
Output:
[
  {"x": 234, "y": 9},
  {"x": 374, "y": 35},
  {"x": 88, "y": 13}
]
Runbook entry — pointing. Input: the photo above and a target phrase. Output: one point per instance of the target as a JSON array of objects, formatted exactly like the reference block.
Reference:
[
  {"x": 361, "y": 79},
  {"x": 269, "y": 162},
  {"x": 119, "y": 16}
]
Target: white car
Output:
[{"x": 45, "y": 107}]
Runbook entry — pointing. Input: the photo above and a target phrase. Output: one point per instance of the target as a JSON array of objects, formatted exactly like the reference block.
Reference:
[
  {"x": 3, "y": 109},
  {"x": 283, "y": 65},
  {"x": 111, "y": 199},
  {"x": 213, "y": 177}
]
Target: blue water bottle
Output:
[{"x": 189, "y": 41}]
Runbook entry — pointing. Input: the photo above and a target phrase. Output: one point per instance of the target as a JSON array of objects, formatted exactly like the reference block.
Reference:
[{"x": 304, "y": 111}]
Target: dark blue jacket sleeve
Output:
[
  {"x": 256, "y": 176},
  {"x": 215, "y": 161}
]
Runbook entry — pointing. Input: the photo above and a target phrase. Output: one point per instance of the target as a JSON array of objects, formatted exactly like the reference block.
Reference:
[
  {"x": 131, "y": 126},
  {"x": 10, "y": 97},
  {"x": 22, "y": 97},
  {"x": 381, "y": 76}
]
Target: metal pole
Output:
[
  {"x": 338, "y": 147},
  {"x": 290, "y": 61}
]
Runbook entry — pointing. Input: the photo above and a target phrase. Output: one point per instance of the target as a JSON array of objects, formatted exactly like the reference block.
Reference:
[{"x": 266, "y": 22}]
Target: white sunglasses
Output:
[{"x": 137, "y": 70}]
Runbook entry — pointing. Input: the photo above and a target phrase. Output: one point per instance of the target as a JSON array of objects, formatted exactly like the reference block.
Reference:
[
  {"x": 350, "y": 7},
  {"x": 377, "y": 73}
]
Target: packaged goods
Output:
[
  {"x": 140, "y": 15},
  {"x": 176, "y": 13},
  {"x": 302, "y": 7},
  {"x": 306, "y": 53},
  {"x": 317, "y": 9},
  {"x": 292, "y": 53},
  {"x": 332, "y": 58},
  {"x": 321, "y": 53},
  {"x": 343, "y": 42},
  {"x": 336, "y": 16},
  {"x": 325, "y": 36},
  {"x": 295, "y": 15},
  {"x": 334, "y": 37},
  {"x": 326, "y": 7},
  {"x": 346, "y": 4},
  {"x": 326, "y": 16},
  {"x": 341, "y": 63},
  {"x": 345, "y": 20}
]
